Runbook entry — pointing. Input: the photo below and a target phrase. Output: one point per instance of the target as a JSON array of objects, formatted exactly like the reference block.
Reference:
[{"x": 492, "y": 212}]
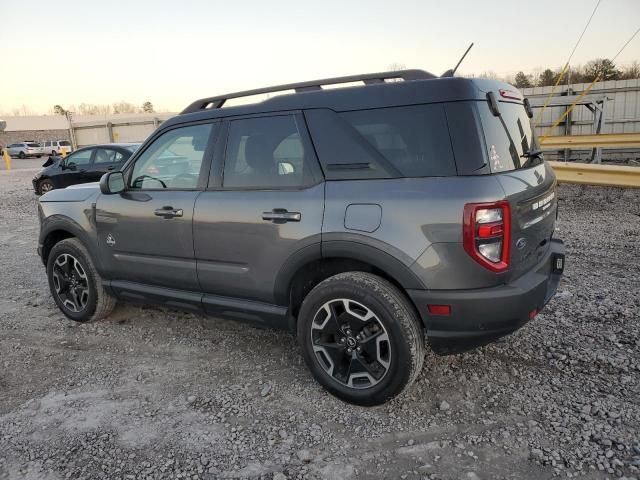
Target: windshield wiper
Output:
[{"x": 529, "y": 155}]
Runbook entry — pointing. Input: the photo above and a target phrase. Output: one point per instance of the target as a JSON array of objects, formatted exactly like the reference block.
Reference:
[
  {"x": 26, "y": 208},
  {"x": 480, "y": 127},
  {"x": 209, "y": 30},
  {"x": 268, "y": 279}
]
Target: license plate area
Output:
[{"x": 557, "y": 263}]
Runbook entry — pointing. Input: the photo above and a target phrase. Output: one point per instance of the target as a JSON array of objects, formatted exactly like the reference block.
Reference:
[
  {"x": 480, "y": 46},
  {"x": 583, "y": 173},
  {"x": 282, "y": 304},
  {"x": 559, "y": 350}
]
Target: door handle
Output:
[
  {"x": 281, "y": 215},
  {"x": 110, "y": 167},
  {"x": 168, "y": 212}
]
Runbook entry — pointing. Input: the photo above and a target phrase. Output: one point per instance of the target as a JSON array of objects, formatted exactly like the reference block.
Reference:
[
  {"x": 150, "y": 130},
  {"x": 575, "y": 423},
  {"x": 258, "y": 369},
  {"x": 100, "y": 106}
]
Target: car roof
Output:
[
  {"x": 376, "y": 95},
  {"x": 109, "y": 145}
]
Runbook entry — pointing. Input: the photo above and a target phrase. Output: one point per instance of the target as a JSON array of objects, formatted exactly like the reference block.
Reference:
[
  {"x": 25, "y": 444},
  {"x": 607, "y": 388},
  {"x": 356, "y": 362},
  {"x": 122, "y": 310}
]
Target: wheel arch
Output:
[
  {"x": 311, "y": 265},
  {"x": 55, "y": 229}
]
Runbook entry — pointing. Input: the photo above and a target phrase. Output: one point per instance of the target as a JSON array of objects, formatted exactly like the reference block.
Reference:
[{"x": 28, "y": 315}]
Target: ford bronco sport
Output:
[{"x": 367, "y": 219}]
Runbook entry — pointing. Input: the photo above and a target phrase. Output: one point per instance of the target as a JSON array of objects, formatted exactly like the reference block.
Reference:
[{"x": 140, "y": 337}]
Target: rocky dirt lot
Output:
[{"x": 152, "y": 393}]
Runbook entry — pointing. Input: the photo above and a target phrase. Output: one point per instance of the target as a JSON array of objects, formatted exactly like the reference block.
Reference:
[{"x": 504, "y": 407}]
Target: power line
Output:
[
  {"x": 583, "y": 30},
  {"x": 566, "y": 67},
  {"x": 625, "y": 46}
]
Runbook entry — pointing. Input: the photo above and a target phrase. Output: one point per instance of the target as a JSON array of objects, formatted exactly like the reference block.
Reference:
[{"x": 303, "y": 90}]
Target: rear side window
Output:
[
  {"x": 414, "y": 140},
  {"x": 396, "y": 142},
  {"x": 64, "y": 143},
  {"x": 506, "y": 143}
]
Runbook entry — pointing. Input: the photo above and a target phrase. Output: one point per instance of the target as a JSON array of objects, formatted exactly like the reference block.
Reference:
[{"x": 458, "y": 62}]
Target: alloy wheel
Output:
[
  {"x": 350, "y": 343},
  {"x": 70, "y": 282}
]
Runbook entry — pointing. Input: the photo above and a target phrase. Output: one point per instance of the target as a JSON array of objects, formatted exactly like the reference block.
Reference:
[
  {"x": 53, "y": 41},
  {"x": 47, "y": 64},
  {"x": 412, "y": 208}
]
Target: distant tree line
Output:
[
  {"x": 601, "y": 68},
  {"x": 93, "y": 109}
]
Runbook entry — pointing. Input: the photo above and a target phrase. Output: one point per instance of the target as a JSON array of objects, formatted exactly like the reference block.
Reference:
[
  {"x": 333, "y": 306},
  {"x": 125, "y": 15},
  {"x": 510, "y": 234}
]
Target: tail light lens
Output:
[{"x": 486, "y": 234}]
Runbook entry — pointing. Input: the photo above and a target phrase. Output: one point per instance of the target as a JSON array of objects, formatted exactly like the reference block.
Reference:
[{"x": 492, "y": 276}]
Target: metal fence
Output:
[{"x": 610, "y": 107}]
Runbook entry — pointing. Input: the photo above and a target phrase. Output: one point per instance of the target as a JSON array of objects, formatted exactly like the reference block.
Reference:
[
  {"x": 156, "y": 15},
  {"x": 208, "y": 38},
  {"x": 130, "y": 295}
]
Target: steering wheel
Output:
[{"x": 142, "y": 177}]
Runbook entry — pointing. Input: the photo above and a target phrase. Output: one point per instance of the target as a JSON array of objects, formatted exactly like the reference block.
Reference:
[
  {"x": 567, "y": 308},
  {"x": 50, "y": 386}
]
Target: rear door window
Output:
[{"x": 267, "y": 153}]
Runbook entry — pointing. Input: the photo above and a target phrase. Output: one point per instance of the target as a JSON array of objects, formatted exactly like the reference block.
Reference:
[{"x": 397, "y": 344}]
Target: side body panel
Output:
[
  {"x": 238, "y": 253},
  {"x": 139, "y": 246},
  {"x": 420, "y": 225}
]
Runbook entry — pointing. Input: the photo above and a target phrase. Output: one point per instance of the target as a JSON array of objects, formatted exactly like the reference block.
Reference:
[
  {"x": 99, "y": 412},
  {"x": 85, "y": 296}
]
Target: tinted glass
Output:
[
  {"x": 106, "y": 155},
  {"x": 33, "y": 145},
  {"x": 64, "y": 143},
  {"x": 173, "y": 160},
  {"x": 506, "y": 143},
  {"x": 414, "y": 141},
  {"x": 266, "y": 152},
  {"x": 79, "y": 158}
]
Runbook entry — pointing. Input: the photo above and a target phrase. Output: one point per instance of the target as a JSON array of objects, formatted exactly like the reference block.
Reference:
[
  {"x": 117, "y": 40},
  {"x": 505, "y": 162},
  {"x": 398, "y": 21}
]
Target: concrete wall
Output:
[{"x": 9, "y": 137}]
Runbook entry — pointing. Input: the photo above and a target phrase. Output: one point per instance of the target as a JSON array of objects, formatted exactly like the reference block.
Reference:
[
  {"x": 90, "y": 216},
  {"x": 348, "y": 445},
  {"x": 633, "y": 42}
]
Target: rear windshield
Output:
[
  {"x": 413, "y": 140},
  {"x": 64, "y": 143},
  {"x": 507, "y": 142},
  {"x": 33, "y": 145}
]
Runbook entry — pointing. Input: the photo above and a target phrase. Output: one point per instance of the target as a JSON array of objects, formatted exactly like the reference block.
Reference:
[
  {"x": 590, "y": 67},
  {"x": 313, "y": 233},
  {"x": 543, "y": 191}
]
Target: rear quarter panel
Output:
[{"x": 420, "y": 224}]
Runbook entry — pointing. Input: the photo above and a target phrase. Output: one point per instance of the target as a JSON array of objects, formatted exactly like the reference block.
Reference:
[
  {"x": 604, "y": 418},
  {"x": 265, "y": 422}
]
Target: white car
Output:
[
  {"x": 56, "y": 147},
  {"x": 25, "y": 149}
]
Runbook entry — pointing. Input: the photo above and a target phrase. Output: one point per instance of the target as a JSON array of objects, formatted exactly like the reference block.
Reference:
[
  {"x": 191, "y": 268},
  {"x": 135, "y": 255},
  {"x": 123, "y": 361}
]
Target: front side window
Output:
[
  {"x": 266, "y": 152},
  {"x": 173, "y": 160},
  {"x": 81, "y": 158}
]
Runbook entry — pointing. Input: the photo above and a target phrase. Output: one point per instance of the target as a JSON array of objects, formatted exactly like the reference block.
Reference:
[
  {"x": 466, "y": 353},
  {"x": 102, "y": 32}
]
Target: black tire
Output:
[
  {"x": 45, "y": 186},
  {"x": 53, "y": 152},
  {"x": 395, "y": 327},
  {"x": 98, "y": 302},
  {"x": 21, "y": 155},
  {"x": 38, "y": 156}
]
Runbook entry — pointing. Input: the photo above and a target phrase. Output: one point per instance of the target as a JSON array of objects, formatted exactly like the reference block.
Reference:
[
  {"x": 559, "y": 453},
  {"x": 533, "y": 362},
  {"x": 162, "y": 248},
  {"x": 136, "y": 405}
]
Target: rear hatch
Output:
[{"x": 529, "y": 184}]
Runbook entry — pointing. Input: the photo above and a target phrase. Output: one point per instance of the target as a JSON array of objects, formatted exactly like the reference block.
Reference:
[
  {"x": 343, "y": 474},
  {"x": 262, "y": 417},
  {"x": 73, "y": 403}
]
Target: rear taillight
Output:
[{"x": 486, "y": 234}]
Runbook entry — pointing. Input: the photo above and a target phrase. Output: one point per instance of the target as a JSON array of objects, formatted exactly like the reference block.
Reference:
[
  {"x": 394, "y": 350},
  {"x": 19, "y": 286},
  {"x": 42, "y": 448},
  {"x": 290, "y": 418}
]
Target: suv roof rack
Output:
[{"x": 312, "y": 85}]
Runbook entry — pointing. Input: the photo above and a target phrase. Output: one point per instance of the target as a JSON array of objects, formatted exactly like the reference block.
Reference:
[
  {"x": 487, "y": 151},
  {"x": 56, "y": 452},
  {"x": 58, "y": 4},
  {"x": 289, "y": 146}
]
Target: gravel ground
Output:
[{"x": 152, "y": 393}]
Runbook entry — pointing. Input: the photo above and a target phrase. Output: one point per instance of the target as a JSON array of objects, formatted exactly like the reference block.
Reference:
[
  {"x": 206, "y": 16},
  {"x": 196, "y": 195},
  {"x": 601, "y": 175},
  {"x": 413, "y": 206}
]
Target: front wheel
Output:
[
  {"x": 361, "y": 338},
  {"x": 45, "y": 186},
  {"x": 21, "y": 156},
  {"x": 75, "y": 284}
]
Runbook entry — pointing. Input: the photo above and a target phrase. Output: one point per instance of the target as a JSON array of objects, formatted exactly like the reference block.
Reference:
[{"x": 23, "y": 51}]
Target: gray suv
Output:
[{"x": 367, "y": 219}]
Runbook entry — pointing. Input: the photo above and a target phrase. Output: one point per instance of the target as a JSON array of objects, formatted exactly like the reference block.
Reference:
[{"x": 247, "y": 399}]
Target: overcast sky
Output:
[{"x": 171, "y": 52}]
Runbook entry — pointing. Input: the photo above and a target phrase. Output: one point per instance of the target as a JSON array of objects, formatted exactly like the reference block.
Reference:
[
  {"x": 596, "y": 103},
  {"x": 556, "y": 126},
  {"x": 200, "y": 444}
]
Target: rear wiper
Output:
[{"x": 529, "y": 155}]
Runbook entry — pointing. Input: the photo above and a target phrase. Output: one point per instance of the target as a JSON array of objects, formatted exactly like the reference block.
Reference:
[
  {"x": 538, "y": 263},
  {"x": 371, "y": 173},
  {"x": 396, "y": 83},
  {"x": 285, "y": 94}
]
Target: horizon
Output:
[{"x": 165, "y": 58}]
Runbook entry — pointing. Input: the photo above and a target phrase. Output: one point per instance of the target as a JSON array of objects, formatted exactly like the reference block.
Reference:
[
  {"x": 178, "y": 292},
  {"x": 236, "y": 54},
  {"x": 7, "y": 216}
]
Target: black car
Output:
[{"x": 82, "y": 166}]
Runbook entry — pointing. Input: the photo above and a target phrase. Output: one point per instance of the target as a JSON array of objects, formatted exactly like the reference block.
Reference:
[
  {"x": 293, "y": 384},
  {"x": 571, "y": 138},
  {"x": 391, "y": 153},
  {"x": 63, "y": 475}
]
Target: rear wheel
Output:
[
  {"x": 75, "y": 284},
  {"x": 361, "y": 338},
  {"x": 45, "y": 186}
]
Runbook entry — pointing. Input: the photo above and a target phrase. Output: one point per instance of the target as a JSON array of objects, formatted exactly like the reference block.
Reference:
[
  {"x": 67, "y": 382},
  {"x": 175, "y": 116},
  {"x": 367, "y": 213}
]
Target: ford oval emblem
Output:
[{"x": 521, "y": 243}]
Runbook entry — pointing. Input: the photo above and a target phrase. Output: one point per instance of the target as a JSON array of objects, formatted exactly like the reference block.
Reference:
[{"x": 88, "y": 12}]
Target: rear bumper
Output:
[{"x": 488, "y": 313}]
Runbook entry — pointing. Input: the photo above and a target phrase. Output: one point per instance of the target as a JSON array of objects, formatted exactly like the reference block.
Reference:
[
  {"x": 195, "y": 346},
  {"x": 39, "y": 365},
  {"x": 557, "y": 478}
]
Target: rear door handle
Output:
[
  {"x": 281, "y": 215},
  {"x": 168, "y": 212}
]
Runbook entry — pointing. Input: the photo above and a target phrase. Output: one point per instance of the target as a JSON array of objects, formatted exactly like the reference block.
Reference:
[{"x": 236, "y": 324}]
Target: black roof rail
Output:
[{"x": 312, "y": 85}]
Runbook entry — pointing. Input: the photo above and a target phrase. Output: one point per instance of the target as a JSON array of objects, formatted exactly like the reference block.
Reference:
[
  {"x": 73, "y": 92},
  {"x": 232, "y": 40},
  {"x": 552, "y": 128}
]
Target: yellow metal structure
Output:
[
  {"x": 604, "y": 140},
  {"x": 590, "y": 174}
]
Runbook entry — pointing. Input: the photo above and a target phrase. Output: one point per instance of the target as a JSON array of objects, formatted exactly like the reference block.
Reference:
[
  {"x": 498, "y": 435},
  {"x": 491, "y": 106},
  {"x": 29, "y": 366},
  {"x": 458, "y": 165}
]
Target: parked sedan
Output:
[
  {"x": 25, "y": 149},
  {"x": 82, "y": 166}
]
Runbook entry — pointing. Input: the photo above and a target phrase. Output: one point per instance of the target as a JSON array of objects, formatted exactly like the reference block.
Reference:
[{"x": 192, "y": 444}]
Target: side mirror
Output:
[{"x": 112, "y": 182}]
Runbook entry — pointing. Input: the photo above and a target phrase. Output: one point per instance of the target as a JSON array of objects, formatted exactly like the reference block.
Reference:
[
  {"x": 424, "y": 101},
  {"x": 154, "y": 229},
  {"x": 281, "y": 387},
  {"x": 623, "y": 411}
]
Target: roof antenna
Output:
[{"x": 449, "y": 73}]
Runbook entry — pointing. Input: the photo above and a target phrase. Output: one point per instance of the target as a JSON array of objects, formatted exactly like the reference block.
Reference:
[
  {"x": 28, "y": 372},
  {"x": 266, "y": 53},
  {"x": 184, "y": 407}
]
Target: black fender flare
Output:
[
  {"x": 377, "y": 256},
  {"x": 66, "y": 224}
]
